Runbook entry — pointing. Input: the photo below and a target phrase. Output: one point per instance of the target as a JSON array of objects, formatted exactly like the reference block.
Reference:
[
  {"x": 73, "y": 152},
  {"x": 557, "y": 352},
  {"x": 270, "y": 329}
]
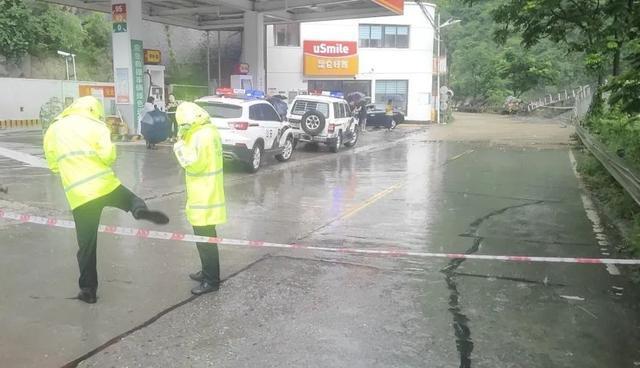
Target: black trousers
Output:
[
  {"x": 208, "y": 254},
  {"x": 389, "y": 121},
  {"x": 87, "y": 219}
]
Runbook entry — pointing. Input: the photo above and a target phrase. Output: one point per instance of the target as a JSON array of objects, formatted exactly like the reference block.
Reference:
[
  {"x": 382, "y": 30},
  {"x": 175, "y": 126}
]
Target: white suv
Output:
[
  {"x": 249, "y": 129},
  {"x": 323, "y": 119}
]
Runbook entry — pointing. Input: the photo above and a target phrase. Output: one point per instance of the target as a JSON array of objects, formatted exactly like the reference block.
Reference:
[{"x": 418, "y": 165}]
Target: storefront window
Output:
[
  {"x": 287, "y": 34},
  {"x": 394, "y": 90},
  {"x": 387, "y": 36},
  {"x": 344, "y": 86}
]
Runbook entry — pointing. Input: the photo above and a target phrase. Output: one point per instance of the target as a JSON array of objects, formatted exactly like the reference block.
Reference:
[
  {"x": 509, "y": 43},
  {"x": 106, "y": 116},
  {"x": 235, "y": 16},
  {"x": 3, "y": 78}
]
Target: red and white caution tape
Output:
[{"x": 152, "y": 234}]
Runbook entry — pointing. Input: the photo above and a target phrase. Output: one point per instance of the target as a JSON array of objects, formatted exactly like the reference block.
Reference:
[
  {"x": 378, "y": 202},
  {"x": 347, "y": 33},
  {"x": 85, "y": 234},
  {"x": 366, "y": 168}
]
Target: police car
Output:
[
  {"x": 324, "y": 118},
  {"x": 249, "y": 127}
]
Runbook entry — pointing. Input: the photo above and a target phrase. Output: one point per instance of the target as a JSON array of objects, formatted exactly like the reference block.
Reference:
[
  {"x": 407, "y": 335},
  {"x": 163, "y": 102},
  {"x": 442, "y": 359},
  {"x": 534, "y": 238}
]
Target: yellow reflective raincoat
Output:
[
  {"x": 78, "y": 146},
  {"x": 199, "y": 152}
]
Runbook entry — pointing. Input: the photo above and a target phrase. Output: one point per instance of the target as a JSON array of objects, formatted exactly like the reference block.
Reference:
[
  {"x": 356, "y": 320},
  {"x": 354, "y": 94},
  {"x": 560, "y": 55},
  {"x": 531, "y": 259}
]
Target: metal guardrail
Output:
[
  {"x": 575, "y": 94},
  {"x": 627, "y": 177}
]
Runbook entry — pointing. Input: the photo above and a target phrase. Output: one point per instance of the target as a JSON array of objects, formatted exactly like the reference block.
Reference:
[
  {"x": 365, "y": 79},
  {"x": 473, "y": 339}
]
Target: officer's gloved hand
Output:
[{"x": 182, "y": 131}]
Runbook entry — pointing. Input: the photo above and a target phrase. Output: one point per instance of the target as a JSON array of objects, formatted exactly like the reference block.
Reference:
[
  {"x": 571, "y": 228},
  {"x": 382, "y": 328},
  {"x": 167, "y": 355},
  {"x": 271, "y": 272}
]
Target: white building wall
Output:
[
  {"x": 27, "y": 96},
  {"x": 414, "y": 64}
]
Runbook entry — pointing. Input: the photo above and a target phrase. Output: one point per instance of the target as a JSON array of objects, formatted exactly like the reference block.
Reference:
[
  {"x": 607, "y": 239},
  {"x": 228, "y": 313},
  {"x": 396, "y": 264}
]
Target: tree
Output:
[
  {"x": 15, "y": 28},
  {"x": 474, "y": 73},
  {"x": 625, "y": 89},
  {"x": 523, "y": 72},
  {"x": 55, "y": 29},
  {"x": 597, "y": 27}
]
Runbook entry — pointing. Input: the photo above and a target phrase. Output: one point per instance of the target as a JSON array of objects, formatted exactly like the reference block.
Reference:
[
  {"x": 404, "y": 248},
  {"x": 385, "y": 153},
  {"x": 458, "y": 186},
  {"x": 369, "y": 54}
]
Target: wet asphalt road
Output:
[{"x": 300, "y": 308}]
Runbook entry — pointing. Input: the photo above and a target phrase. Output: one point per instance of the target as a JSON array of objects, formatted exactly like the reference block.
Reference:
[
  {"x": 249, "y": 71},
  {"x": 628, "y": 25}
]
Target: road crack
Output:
[{"x": 464, "y": 342}]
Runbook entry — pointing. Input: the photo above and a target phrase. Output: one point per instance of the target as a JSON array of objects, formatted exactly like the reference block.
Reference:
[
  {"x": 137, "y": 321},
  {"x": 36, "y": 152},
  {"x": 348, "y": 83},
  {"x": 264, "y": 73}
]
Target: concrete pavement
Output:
[{"x": 297, "y": 308}]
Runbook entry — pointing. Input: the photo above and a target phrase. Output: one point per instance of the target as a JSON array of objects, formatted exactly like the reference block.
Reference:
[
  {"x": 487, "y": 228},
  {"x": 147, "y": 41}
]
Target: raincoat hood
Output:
[
  {"x": 88, "y": 106},
  {"x": 189, "y": 113}
]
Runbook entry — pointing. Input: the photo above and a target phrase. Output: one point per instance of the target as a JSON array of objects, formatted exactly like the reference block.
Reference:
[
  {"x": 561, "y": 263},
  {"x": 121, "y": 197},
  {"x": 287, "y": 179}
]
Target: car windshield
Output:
[
  {"x": 302, "y": 106},
  {"x": 222, "y": 110}
]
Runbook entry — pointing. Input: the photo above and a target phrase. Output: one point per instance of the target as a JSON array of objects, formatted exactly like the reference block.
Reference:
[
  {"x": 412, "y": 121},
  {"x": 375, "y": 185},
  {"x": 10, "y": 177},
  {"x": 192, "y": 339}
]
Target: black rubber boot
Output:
[
  {"x": 157, "y": 217},
  {"x": 205, "y": 287},
  {"x": 198, "y": 276},
  {"x": 87, "y": 295}
]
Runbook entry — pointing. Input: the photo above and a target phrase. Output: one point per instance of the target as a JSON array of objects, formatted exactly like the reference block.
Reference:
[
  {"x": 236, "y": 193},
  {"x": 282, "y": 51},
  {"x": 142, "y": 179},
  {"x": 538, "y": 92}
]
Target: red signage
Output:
[
  {"x": 119, "y": 12},
  {"x": 330, "y": 58},
  {"x": 241, "y": 68},
  {"x": 396, "y": 6}
]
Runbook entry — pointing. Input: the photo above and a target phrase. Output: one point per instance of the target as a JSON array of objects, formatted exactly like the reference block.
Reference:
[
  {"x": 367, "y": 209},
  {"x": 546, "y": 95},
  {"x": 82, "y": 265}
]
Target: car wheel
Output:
[
  {"x": 313, "y": 122},
  {"x": 335, "y": 146},
  {"x": 256, "y": 158},
  {"x": 354, "y": 139},
  {"x": 287, "y": 150}
]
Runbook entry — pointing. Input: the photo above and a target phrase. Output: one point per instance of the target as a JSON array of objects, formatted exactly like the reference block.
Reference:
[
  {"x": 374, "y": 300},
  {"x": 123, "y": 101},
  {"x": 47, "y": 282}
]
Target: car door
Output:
[
  {"x": 337, "y": 116},
  {"x": 272, "y": 123},
  {"x": 345, "y": 116},
  {"x": 270, "y": 120},
  {"x": 257, "y": 125}
]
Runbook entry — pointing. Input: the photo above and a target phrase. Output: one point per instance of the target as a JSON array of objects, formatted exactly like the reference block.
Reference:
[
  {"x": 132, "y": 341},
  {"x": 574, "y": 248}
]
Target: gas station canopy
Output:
[
  {"x": 250, "y": 16},
  {"x": 208, "y": 15}
]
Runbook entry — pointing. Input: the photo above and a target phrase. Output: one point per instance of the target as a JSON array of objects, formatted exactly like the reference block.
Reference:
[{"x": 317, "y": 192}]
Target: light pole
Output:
[
  {"x": 66, "y": 56},
  {"x": 75, "y": 75},
  {"x": 438, "y": 28}
]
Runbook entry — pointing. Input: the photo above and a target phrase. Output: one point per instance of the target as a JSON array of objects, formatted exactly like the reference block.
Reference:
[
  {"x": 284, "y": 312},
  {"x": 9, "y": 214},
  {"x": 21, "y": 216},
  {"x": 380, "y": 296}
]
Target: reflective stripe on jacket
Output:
[
  {"x": 80, "y": 149},
  {"x": 200, "y": 154}
]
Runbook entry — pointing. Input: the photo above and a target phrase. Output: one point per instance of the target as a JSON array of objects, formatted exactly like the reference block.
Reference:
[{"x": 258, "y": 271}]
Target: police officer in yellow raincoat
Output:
[
  {"x": 199, "y": 152},
  {"x": 78, "y": 146}
]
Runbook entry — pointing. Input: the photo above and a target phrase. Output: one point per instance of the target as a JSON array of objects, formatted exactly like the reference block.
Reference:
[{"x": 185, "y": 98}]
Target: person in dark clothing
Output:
[
  {"x": 362, "y": 116},
  {"x": 171, "y": 112},
  {"x": 78, "y": 146},
  {"x": 87, "y": 219}
]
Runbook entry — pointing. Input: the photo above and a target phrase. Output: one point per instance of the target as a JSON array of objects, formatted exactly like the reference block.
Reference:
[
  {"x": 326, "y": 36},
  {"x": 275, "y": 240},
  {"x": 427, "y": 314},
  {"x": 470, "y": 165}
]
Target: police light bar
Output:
[
  {"x": 254, "y": 93},
  {"x": 224, "y": 91},
  {"x": 335, "y": 94},
  {"x": 240, "y": 93}
]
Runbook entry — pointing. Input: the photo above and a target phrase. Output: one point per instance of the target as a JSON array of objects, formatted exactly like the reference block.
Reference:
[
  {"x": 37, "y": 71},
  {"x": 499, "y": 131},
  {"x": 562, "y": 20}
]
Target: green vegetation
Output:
[
  {"x": 15, "y": 37},
  {"x": 616, "y": 203},
  {"x": 40, "y": 29},
  {"x": 485, "y": 69}
]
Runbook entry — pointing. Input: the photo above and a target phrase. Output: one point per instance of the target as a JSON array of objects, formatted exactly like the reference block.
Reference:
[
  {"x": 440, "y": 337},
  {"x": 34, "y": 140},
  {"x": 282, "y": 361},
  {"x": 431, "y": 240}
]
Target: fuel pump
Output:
[{"x": 154, "y": 85}]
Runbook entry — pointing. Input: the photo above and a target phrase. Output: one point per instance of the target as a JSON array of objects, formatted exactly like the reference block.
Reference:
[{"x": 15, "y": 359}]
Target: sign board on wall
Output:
[
  {"x": 153, "y": 57},
  {"x": 122, "y": 85},
  {"x": 241, "y": 68},
  {"x": 89, "y": 90},
  {"x": 396, "y": 6},
  {"x": 119, "y": 17},
  {"x": 137, "y": 62},
  {"x": 330, "y": 58}
]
